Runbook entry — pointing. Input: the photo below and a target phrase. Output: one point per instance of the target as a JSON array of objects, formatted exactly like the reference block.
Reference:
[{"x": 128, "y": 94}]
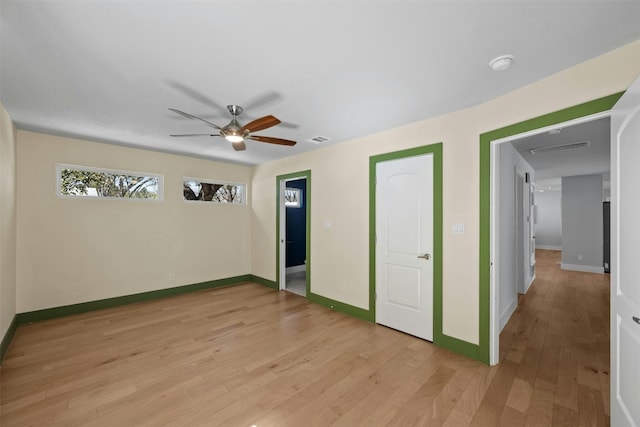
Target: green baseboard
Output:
[
  {"x": 6, "y": 340},
  {"x": 265, "y": 282},
  {"x": 67, "y": 310},
  {"x": 351, "y": 310},
  {"x": 450, "y": 343},
  {"x": 456, "y": 345}
]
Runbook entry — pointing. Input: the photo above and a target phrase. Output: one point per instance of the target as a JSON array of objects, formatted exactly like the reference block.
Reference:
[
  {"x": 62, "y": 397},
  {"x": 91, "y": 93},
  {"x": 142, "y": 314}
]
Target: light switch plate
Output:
[{"x": 458, "y": 228}]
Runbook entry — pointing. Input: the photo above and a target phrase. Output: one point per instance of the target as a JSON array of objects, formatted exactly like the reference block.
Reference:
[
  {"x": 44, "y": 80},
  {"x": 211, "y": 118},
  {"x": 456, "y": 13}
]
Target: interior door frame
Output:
[
  {"x": 488, "y": 349},
  {"x": 281, "y": 229},
  {"x": 519, "y": 233},
  {"x": 435, "y": 149}
]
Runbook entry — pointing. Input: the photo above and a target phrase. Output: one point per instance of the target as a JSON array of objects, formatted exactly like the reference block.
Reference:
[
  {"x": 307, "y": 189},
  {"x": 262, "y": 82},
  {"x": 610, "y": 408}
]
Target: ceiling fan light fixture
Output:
[
  {"x": 234, "y": 138},
  {"x": 233, "y": 132}
]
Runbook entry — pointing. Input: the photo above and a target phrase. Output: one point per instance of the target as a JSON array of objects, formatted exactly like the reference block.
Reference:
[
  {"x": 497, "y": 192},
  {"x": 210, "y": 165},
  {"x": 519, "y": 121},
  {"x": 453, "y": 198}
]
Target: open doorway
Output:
[
  {"x": 553, "y": 152},
  {"x": 295, "y": 236},
  {"x": 293, "y": 232}
]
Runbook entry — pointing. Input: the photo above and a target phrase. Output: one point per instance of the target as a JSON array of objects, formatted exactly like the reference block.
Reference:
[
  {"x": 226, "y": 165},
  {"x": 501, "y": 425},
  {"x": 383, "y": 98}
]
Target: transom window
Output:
[
  {"x": 82, "y": 181},
  {"x": 200, "y": 190}
]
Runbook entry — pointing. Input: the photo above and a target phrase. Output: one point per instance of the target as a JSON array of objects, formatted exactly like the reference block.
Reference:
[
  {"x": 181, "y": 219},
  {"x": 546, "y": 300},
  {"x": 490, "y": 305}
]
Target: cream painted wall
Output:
[
  {"x": 339, "y": 255},
  {"x": 7, "y": 222},
  {"x": 77, "y": 250}
]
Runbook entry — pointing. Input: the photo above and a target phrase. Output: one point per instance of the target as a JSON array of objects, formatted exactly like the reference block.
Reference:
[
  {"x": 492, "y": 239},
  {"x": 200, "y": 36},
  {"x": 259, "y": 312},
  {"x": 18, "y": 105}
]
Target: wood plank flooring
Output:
[{"x": 247, "y": 355}]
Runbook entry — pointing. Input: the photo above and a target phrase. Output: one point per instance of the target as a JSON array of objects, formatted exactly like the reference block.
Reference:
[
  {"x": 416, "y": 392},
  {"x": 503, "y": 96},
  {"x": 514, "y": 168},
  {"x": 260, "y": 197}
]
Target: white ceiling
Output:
[
  {"x": 594, "y": 159},
  {"x": 109, "y": 70}
]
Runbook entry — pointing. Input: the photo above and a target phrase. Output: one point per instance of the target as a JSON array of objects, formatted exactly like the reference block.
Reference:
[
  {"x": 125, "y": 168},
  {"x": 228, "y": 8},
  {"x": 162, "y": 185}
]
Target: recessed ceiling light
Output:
[{"x": 501, "y": 62}]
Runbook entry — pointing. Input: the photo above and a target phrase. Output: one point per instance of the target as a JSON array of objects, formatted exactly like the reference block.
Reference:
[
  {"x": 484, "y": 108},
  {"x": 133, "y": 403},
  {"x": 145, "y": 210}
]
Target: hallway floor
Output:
[{"x": 554, "y": 352}]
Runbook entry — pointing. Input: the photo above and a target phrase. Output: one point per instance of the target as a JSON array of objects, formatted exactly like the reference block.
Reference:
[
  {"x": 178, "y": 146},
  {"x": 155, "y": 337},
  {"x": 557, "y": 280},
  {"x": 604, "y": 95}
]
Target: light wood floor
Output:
[{"x": 248, "y": 355}]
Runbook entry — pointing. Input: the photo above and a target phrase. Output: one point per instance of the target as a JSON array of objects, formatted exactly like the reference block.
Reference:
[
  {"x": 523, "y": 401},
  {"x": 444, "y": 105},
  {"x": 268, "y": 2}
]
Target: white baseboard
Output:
[
  {"x": 582, "y": 268},
  {"x": 549, "y": 247},
  {"x": 506, "y": 314},
  {"x": 526, "y": 288}
]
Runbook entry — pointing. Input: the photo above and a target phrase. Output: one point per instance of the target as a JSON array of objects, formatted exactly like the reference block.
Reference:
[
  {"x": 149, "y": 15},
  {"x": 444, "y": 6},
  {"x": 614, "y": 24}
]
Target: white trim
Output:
[
  {"x": 526, "y": 288},
  {"x": 549, "y": 247},
  {"x": 580, "y": 120},
  {"x": 508, "y": 312},
  {"x": 582, "y": 268},
  {"x": 494, "y": 250}
]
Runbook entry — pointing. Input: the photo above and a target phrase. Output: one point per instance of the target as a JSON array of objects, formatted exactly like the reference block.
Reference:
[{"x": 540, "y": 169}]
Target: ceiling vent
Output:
[
  {"x": 570, "y": 146},
  {"x": 318, "y": 139}
]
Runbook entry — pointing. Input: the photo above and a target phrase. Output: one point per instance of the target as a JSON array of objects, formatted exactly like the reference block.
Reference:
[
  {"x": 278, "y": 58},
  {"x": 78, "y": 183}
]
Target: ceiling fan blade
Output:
[
  {"x": 288, "y": 125},
  {"x": 191, "y": 116},
  {"x": 239, "y": 146},
  {"x": 261, "y": 100},
  {"x": 193, "y": 94},
  {"x": 202, "y": 116},
  {"x": 195, "y": 134},
  {"x": 272, "y": 140},
  {"x": 261, "y": 123},
  {"x": 282, "y": 124}
]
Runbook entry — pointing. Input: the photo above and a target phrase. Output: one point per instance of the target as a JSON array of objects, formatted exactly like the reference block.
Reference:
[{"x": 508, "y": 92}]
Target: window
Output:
[
  {"x": 195, "y": 189},
  {"x": 81, "y": 181},
  {"x": 292, "y": 197}
]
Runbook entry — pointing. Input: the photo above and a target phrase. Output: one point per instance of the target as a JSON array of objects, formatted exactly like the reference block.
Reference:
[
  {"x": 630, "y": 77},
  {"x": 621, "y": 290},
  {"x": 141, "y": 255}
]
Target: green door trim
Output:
[
  {"x": 306, "y": 174},
  {"x": 436, "y": 150},
  {"x": 582, "y": 110}
]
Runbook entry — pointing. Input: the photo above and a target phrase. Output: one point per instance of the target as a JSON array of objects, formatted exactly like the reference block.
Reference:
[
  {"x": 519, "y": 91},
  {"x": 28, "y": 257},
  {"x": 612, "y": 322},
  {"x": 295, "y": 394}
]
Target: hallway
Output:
[{"x": 554, "y": 352}]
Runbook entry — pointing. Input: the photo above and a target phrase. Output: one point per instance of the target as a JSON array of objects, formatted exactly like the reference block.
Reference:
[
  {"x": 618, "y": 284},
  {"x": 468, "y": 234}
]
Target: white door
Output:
[
  {"x": 404, "y": 245},
  {"x": 625, "y": 270}
]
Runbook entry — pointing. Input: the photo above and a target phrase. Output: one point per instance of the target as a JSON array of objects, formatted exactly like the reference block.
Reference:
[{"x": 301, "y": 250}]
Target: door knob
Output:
[{"x": 425, "y": 256}]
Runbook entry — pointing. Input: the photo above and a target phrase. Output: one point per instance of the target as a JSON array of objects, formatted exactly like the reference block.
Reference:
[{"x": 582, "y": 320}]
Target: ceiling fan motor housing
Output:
[{"x": 234, "y": 132}]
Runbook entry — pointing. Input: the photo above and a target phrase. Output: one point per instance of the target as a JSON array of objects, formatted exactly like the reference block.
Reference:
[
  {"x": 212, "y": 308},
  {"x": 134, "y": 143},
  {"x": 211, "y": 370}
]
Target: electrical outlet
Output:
[{"x": 579, "y": 257}]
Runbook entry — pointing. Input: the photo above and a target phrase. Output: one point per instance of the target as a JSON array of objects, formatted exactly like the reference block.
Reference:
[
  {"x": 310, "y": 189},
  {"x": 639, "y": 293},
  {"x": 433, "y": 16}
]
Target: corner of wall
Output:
[
  {"x": 6, "y": 339},
  {"x": 8, "y": 230}
]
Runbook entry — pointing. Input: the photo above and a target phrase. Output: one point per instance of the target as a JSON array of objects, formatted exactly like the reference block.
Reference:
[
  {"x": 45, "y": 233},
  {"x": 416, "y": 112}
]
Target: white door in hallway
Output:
[
  {"x": 404, "y": 245},
  {"x": 625, "y": 270}
]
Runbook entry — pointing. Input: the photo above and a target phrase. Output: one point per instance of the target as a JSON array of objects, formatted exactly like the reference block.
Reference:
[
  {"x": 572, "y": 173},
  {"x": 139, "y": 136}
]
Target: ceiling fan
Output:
[{"x": 236, "y": 133}]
